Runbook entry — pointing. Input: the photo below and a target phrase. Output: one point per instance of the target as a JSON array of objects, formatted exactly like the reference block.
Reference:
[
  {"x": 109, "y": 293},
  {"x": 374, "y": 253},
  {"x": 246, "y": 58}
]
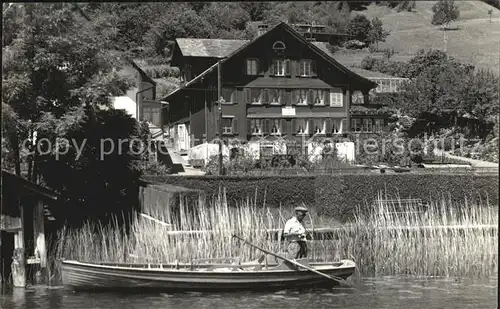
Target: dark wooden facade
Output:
[{"x": 324, "y": 94}]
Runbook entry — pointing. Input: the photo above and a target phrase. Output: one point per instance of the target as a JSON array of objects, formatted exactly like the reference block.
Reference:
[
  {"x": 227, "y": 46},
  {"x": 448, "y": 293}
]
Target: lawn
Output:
[{"x": 476, "y": 40}]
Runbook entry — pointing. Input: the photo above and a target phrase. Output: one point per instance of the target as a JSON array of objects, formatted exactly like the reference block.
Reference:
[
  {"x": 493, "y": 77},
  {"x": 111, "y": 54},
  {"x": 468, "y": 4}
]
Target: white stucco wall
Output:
[
  {"x": 346, "y": 151},
  {"x": 125, "y": 103}
]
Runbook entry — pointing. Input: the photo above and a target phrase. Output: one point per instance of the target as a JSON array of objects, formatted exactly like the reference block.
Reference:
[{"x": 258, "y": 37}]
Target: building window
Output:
[
  {"x": 356, "y": 125},
  {"x": 337, "y": 126},
  {"x": 279, "y": 67},
  {"x": 318, "y": 126},
  {"x": 367, "y": 125},
  {"x": 358, "y": 98},
  {"x": 278, "y": 45},
  {"x": 253, "y": 95},
  {"x": 275, "y": 126},
  {"x": 252, "y": 67},
  {"x": 301, "y": 96},
  {"x": 229, "y": 95},
  {"x": 305, "y": 68},
  {"x": 152, "y": 115},
  {"x": 318, "y": 97},
  {"x": 256, "y": 126},
  {"x": 336, "y": 97},
  {"x": 301, "y": 126},
  {"x": 227, "y": 125},
  {"x": 379, "y": 125},
  {"x": 275, "y": 96}
]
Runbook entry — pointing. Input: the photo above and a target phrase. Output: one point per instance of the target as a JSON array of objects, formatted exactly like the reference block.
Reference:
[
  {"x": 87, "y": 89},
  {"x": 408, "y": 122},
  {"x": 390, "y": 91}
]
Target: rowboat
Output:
[{"x": 208, "y": 275}]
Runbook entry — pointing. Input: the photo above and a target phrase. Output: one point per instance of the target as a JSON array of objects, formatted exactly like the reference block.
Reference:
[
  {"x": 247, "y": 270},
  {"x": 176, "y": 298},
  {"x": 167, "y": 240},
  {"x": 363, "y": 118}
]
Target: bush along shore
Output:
[{"x": 449, "y": 239}]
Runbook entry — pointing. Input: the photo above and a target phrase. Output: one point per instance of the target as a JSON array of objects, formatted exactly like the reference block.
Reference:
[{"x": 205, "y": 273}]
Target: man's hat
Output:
[{"x": 301, "y": 208}]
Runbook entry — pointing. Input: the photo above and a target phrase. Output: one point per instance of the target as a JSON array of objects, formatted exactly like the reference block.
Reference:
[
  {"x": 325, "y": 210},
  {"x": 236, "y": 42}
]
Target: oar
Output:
[{"x": 336, "y": 279}]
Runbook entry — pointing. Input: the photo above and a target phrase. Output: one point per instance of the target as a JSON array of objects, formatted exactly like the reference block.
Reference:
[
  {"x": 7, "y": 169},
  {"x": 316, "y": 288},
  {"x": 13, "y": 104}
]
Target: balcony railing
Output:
[{"x": 388, "y": 84}]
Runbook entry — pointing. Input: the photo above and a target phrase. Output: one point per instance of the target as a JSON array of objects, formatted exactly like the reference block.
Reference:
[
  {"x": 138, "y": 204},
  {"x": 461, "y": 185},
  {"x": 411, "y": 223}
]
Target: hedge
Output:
[
  {"x": 340, "y": 195},
  {"x": 270, "y": 190}
]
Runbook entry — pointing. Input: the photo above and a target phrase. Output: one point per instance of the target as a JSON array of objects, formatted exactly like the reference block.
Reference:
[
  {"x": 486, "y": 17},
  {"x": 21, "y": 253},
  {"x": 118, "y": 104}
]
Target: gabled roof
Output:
[
  {"x": 299, "y": 37},
  {"x": 144, "y": 76},
  {"x": 18, "y": 181},
  {"x": 212, "y": 48}
]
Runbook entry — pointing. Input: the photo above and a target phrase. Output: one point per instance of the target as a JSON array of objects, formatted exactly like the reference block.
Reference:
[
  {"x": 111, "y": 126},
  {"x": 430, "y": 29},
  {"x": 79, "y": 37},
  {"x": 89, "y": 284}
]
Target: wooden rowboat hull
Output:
[{"x": 86, "y": 276}]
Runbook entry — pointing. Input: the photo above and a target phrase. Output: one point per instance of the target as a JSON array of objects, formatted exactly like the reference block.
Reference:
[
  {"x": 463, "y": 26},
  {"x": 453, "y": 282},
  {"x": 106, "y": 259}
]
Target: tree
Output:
[
  {"x": 177, "y": 24},
  {"x": 445, "y": 12},
  {"x": 56, "y": 76},
  {"x": 377, "y": 33},
  {"x": 227, "y": 16},
  {"x": 256, "y": 10},
  {"x": 359, "y": 27},
  {"x": 447, "y": 90},
  {"x": 423, "y": 60}
]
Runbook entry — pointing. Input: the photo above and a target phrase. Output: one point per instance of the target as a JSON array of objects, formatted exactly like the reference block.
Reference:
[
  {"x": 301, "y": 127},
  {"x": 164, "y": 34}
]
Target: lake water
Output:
[{"x": 383, "y": 292}]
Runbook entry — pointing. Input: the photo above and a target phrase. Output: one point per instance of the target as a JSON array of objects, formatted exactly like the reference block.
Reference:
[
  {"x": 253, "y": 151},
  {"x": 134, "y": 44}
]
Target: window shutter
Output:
[
  {"x": 235, "y": 126},
  {"x": 249, "y": 126},
  {"x": 259, "y": 69},
  {"x": 271, "y": 68},
  {"x": 287, "y": 67},
  {"x": 217, "y": 126},
  {"x": 328, "y": 126},
  {"x": 287, "y": 97},
  {"x": 294, "y": 96},
  {"x": 294, "y": 126},
  {"x": 245, "y": 67},
  {"x": 314, "y": 71},
  {"x": 266, "y": 126},
  {"x": 326, "y": 96},
  {"x": 248, "y": 96},
  {"x": 294, "y": 68},
  {"x": 284, "y": 128},
  {"x": 265, "y": 96},
  {"x": 310, "y": 97}
]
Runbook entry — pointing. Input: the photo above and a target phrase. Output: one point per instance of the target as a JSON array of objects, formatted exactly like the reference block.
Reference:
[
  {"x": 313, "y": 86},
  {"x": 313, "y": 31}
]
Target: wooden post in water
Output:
[
  {"x": 18, "y": 260},
  {"x": 40, "y": 245}
]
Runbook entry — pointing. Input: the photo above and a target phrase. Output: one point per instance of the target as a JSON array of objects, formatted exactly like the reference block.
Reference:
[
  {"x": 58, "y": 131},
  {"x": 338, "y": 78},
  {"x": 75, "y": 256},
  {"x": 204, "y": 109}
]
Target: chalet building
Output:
[{"x": 277, "y": 85}]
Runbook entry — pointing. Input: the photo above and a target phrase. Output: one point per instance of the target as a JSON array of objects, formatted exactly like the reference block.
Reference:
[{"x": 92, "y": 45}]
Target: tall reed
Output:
[{"x": 447, "y": 240}]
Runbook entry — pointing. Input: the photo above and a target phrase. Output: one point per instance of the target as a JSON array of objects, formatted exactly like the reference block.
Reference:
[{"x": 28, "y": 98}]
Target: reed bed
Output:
[{"x": 389, "y": 240}]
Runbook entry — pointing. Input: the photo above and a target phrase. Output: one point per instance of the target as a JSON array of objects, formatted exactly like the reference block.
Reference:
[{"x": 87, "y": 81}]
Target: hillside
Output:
[{"x": 475, "y": 39}]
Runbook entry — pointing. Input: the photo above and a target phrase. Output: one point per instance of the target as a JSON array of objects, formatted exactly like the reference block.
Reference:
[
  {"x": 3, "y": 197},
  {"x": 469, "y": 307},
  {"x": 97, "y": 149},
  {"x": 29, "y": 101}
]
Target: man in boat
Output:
[{"x": 295, "y": 234}]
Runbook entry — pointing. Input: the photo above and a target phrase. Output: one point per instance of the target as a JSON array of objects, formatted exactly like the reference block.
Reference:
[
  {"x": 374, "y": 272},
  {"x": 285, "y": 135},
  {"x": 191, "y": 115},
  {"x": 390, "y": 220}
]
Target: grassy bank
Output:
[{"x": 382, "y": 243}]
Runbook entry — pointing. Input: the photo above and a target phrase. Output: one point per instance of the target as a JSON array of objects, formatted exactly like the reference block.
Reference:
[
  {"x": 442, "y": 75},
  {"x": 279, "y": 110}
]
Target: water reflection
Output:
[{"x": 386, "y": 292}]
